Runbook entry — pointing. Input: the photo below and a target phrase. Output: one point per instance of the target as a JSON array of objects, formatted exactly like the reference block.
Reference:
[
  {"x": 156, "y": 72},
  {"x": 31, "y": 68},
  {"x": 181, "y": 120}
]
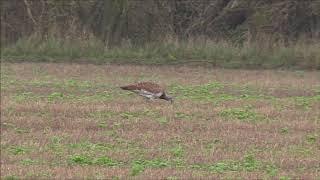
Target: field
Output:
[{"x": 72, "y": 121}]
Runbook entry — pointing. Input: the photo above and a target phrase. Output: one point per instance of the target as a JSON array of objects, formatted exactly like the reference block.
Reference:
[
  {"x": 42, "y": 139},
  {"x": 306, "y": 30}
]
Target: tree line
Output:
[{"x": 140, "y": 21}]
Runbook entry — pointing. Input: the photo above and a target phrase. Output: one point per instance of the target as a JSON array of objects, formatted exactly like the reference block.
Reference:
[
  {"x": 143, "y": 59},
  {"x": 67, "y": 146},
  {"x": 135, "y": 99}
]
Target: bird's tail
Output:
[{"x": 125, "y": 87}]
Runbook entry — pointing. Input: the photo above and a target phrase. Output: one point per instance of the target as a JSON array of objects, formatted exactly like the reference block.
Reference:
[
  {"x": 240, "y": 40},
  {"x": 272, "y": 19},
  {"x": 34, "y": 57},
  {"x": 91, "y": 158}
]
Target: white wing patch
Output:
[
  {"x": 158, "y": 94},
  {"x": 148, "y": 94}
]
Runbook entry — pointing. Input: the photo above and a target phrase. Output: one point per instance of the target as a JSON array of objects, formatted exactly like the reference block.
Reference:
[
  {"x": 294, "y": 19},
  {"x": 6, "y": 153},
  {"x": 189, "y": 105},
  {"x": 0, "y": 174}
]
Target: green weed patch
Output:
[
  {"x": 87, "y": 160},
  {"x": 139, "y": 166},
  {"x": 242, "y": 114}
]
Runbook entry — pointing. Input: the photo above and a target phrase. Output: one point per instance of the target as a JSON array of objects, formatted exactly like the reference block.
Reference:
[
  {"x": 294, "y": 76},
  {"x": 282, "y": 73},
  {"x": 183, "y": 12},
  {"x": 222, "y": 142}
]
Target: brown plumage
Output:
[{"x": 149, "y": 90}]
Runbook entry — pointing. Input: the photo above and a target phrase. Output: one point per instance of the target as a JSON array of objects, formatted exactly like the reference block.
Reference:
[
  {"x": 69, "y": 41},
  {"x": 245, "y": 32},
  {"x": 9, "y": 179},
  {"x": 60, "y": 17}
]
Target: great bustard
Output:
[{"x": 149, "y": 90}]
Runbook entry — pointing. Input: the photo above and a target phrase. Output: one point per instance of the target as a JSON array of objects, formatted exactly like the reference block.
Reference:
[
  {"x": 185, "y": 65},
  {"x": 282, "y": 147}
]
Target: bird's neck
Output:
[{"x": 164, "y": 96}]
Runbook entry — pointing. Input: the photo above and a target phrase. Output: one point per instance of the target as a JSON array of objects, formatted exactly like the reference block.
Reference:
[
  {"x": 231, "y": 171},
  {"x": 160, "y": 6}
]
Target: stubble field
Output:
[{"x": 72, "y": 121}]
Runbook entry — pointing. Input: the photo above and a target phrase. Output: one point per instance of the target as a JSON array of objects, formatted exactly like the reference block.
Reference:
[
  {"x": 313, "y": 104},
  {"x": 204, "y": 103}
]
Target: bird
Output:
[{"x": 148, "y": 90}]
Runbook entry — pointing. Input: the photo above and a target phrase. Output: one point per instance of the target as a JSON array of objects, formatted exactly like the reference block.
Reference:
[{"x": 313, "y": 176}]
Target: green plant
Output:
[
  {"x": 199, "y": 93},
  {"x": 311, "y": 138},
  {"x": 183, "y": 116},
  {"x": 139, "y": 166},
  {"x": 249, "y": 163},
  {"x": 284, "y": 178},
  {"x": 114, "y": 178},
  {"x": 211, "y": 144},
  {"x": 162, "y": 120},
  {"x": 106, "y": 161},
  {"x": 28, "y": 161},
  {"x": 81, "y": 159},
  {"x": 305, "y": 102},
  {"x": 157, "y": 163},
  {"x": 88, "y": 146},
  {"x": 56, "y": 139},
  {"x": 55, "y": 96},
  {"x": 102, "y": 124},
  {"x": 301, "y": 150},
  {"x": 243, "y": 114},
  {"x": 136, "y": 168},
  {"x": 171, "y": 178},
  {"x": 21, "y": 130},
  {"x": 24, "y": 96},
  {"x": 284, "y": 130},
  {"x": 177, "y": 151},
  {"x": 56, "y": 145},
  {"x": 271, "y": 170},
  {"x": 129, "y": 115},
  {"x": 16, "y": 150},
  {"x": 219, "y": 167},
  {"x": 11, "y": 177}
]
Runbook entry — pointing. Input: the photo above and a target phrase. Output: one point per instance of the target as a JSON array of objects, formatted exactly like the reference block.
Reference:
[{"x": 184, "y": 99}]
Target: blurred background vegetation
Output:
[{"x": 223, "y": 33}]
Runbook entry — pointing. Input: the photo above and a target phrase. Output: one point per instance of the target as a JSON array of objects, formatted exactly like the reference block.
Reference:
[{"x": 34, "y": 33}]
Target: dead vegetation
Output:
[{"x": 72, "y": 121}]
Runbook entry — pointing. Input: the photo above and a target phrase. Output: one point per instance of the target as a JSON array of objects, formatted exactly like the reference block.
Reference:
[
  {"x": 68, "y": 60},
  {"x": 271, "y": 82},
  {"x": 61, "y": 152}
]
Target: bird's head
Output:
[{"x": 169, "y": 98}]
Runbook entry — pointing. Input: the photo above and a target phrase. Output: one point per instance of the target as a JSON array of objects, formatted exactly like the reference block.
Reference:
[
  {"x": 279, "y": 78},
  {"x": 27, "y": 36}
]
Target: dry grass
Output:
[{"x": 71, "y": 121}]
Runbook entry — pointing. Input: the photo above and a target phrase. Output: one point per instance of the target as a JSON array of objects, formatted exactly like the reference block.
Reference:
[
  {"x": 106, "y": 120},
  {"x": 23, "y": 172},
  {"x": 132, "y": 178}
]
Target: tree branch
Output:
[{"x": 30, "y": 13}]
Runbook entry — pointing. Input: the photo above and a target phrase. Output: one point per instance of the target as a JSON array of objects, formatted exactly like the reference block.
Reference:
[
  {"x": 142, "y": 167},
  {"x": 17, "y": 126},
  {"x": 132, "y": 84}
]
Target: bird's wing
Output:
[
  {"x": 151, "y": 87},
  {"x": 145, "y": 88}
]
